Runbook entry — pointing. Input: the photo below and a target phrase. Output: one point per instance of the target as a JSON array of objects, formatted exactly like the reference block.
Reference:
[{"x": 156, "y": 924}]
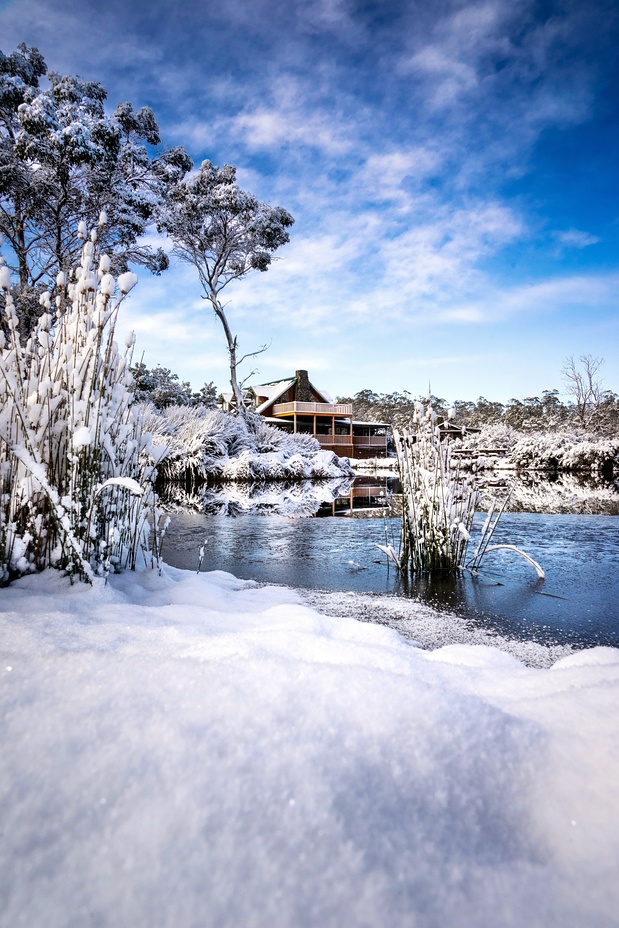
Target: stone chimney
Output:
[{"x": 303, "y": 394}]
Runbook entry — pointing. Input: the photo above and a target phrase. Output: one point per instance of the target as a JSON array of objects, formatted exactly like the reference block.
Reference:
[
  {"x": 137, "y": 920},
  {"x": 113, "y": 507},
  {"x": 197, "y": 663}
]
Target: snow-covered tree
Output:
[
  {"x": 63, "y": 160},
  {"x": 225, "y": 233},
  {"x": 162, "y": 388}
]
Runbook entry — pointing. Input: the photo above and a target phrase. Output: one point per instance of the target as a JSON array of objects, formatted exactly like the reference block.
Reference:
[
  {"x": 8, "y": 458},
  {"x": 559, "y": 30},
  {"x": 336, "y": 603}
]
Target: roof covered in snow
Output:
[{"x": 275, "y": 388}]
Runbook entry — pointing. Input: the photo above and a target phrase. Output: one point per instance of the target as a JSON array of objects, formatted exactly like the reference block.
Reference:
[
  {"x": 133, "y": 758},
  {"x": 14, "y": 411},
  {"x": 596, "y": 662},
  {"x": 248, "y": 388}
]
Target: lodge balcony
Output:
[
  {"x": 358, "y": 441},
  {"x": 333, "y": 426},
  {"x": 312, "y": 409}
]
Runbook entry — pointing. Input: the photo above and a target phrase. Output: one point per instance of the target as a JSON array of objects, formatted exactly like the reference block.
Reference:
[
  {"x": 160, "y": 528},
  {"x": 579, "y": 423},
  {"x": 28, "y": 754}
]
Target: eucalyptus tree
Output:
[
  {"x": 64, "y": 160},
  {"x": 224, "y": 233},
  {"x": 162, "y": 388}
]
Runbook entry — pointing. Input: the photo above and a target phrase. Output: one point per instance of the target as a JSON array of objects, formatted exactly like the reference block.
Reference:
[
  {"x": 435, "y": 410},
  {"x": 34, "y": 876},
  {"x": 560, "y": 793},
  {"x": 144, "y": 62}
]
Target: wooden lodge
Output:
[{"x": 296, "y": 405}]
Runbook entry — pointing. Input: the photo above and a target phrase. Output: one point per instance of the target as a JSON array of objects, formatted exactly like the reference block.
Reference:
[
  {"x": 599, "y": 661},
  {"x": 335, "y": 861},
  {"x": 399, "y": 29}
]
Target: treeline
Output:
[
  {"x": 531, "y": 414},
  {"x": 162, "y": 388}
]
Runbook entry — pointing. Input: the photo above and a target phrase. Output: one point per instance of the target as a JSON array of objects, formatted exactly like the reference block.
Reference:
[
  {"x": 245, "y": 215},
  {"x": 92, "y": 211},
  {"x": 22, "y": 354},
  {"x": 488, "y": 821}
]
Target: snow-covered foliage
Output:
[
  {"x": 600, "y": 412},
  {"x": 202, "y": 443},
  {"x": 438, "y": 500},
  {"x": 497, "y": 435},
  {"x": 64, "y": 159},
  {"x": 560, "y": 450},
  {"x": 162, "y": 388},
  {"x": 225, "y": 233},
  {"x": 76, "y": 466},
  {"x": 564, "y": 451}
]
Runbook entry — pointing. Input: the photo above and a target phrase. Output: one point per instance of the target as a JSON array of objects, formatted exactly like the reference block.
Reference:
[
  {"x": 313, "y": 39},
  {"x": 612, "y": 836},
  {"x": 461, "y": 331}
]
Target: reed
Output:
[
  {"x": 438, "y": 499},
  {"x": 77, "y": 468}
]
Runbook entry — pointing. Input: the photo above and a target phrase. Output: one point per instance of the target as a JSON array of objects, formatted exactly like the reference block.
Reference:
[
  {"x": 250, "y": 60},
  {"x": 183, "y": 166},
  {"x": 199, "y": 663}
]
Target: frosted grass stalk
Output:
[{"x": 67, "y": 430}]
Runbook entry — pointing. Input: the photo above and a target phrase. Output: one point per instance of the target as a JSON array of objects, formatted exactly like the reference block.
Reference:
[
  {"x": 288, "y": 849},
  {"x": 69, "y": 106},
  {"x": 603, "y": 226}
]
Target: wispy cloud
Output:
[{"x": 576, "y": 238}]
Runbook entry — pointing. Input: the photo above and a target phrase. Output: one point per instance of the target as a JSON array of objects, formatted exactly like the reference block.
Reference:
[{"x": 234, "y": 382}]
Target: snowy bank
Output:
[
  {"x": 559, "y": 451},
  {"x": 193, "y": 750},
  {"x": 202, "y": 443}
]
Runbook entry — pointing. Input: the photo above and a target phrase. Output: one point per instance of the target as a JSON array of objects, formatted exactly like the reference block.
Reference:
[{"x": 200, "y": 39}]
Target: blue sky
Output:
[{"x": 452, "y": 168}]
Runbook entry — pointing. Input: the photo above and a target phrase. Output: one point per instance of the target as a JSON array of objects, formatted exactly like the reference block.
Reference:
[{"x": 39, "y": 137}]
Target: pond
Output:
[{"x": 577, "y": 605}]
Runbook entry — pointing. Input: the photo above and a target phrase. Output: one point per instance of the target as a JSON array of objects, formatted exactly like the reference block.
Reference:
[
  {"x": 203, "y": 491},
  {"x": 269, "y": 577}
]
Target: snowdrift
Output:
[{"x": 185, "y": 750}]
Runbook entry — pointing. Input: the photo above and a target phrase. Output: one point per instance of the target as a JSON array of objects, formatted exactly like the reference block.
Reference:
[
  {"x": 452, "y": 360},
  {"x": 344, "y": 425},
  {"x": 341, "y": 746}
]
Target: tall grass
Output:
[
  {"x": 77, "y": 469},
  {"x": 438, "y": 499}
]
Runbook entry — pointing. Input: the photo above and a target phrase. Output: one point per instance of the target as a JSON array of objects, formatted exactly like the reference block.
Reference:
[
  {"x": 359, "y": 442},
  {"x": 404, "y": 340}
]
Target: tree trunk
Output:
[{"x": 231, "y": 340}]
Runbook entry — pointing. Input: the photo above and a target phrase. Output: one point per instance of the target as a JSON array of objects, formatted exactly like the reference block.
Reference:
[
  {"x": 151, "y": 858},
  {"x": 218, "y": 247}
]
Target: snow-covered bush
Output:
[
  {"x": 595, "y": 456},
  {"x": 203, "y": 443},
  {"x": 550, "y": 450},
  {"x": 269, "y": 438},
  {"x": 564, "y": 451},
  {"x": 77, "y": 468},
  {"x": 497, "y": 435},
  {"x": 197, "y": 440}
]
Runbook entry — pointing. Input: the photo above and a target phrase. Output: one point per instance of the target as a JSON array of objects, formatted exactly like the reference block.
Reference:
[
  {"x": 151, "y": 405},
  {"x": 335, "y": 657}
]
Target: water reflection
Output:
[
  {"x": 372, "y": 495},
  {"x": 589, "y": 494},
  {"x": 339, "y": 497},
  {"x": 277, "y": 497}
]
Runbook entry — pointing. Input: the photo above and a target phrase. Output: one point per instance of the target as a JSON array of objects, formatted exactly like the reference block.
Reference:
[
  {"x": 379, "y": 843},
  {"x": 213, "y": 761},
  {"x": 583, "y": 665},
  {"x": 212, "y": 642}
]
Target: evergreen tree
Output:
[{"x": 63, "y": 161}]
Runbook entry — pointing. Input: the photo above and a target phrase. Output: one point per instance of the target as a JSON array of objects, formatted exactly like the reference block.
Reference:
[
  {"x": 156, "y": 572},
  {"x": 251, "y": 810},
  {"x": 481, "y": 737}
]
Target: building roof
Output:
[
  {"x": 274, "y": 389},
  {"x": 271, "y": 391}
]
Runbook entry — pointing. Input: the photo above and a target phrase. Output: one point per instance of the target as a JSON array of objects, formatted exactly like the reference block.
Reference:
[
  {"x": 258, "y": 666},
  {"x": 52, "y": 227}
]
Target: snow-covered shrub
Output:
[
  {"x": 542, "y": 450},
  {"x": 197, "y": 440},
  {"x": 564, "y": 451},
  {"x": 203, "y": 443},
  {"x": 269, "y": 438},
  {"x": 596, "y": 456},
  {"x": 495, "y": 436},
  {"x": 76, "y": 466}
]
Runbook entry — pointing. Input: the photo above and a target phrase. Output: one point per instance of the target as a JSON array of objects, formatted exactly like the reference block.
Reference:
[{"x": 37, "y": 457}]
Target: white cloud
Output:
[
  {"x": 575, "y": 238},
  {"x": 269, "y": 127}
]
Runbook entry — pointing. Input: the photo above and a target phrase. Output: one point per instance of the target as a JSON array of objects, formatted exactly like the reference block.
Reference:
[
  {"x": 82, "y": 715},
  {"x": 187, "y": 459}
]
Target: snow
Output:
[
  {"x": 195, "y": 750},
  {"x": 127, "y": 281}
]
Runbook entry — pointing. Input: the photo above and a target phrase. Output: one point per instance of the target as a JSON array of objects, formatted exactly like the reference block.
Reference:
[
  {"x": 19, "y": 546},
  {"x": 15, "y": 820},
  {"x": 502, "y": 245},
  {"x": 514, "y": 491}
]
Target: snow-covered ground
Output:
[{"x": 194, "y": 750}]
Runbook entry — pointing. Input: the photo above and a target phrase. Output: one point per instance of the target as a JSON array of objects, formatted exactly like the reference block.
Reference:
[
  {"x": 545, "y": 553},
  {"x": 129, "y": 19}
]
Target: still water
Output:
[{"x": 577, "y": 604}]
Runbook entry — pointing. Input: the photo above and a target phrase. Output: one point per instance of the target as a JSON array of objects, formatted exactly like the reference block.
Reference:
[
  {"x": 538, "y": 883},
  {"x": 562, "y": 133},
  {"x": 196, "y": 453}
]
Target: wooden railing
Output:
[
  {"x": 334, "y": 440},
  {"x": 358, "y": 441},
  {"x": 380, "y": 441},
  {"x": 328, "y": 409}
]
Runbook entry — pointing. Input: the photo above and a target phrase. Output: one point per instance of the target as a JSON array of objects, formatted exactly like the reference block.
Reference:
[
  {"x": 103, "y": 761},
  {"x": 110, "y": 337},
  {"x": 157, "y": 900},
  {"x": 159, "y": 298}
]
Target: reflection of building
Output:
[
  {"x": 296, "y": 405},
  {"x": 365, "y": 494}
]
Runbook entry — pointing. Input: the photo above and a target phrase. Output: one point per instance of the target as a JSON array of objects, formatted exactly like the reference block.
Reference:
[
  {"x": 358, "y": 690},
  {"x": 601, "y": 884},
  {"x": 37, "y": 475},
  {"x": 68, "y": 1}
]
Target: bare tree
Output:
[
  {"x": 224, "y": 233},
  {"x": 583, "y": 384}
]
